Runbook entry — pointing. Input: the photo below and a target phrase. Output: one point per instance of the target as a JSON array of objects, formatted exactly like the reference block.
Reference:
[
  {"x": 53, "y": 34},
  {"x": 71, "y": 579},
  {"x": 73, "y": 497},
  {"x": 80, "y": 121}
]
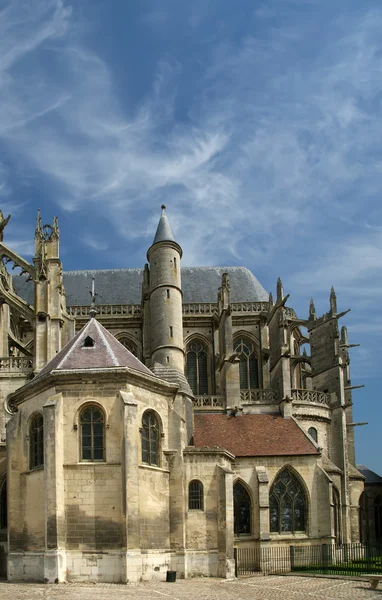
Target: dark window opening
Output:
[
  {"x": 197, "y": 368},
  {"x": 3, "y": 505},
  {"x": 36, "y": 442},
  {"x": 378, "y": 517},
  {"x": 287, "y": 504},
  {"x": 249, "y": 364},
  {"x": 313, "y": 433},
  {"x": 195, "y": 495},
  {"x": 150, "y": 439},
  {"x": 88, "y": 342},
  {"x": 242, "y": 508},
  {"x": 337, "y": 515},
  {"x": 92, "y": 429}
]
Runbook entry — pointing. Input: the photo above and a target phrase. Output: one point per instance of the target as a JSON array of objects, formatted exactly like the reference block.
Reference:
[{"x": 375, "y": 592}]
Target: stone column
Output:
[
  {"x": 226, "y": 563},
  {"x": 54, "y": 480},
  {"x": 263, "y": 481}
]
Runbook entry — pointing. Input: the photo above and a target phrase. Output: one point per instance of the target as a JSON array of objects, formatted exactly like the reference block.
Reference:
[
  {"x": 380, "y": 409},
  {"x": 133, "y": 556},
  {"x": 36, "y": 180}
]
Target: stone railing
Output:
[
  {"x": 259, "y": 396},
  {"x": 107, "y": 310},
  {"x": 208, "y": 401},
  {"x": 249, "y": 307},
  {"x": 16, "y": 364},
  {"x": 200, "y": 308},
  {"x": 314, "y": 396}
]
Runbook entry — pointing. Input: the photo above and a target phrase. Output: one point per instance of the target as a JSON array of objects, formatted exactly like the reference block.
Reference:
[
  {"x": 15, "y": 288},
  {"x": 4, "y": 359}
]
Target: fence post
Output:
[
  {"x": 235, "y": 559},
  {"x": 291, "y": 551}
]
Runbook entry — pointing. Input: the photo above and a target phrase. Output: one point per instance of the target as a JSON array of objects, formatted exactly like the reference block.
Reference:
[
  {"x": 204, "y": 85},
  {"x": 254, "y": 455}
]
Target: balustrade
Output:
[
  {"x": 259, "y": 396},
  {"x": 300, "y": 395},
  {"x": 16, "y": 364},
  {"x": 128, "y": 310},
  {"x": 208, "y": 401}
]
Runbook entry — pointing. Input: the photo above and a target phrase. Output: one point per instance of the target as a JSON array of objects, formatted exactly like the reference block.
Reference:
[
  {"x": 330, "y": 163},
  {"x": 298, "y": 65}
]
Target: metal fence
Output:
[{"x": 330, "y": 559}]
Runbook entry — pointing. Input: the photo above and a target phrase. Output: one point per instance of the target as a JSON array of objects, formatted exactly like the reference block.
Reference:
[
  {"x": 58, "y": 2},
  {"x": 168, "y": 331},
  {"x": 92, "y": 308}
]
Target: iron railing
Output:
[{"x": 331, "y": 559}]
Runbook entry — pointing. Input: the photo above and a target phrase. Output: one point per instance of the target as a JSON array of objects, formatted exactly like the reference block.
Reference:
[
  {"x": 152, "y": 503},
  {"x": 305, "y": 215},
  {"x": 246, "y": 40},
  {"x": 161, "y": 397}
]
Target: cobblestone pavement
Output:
[{"x": 255, "y": 588}]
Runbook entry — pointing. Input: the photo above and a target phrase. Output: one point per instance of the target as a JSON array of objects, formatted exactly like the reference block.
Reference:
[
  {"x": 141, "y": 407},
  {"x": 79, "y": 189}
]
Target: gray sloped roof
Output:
[
  {"x": 371, "y": 476},
  {"x": 123, "y": 286},
  {"x": 163, "y": 233}
]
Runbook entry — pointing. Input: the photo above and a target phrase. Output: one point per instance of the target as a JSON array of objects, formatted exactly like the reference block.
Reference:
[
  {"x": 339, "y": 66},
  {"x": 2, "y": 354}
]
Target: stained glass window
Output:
[
  {"x": 242, "y": 510},
  {"x": 197, "y": 367},
  {"x": 92, "y": 428},
  {"x": 249, "y": 365},
  {"x": 150, "y": 439},
  {"x": 3, "y": 504},
  {"x": 195, "y": 495},
  {"x": 36, "y": 442},
  {"x": 287, "y": 504}
]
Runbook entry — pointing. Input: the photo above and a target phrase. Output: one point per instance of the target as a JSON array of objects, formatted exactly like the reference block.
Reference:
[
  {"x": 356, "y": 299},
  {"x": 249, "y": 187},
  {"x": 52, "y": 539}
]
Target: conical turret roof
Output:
[{"x": 163, "y": 233}]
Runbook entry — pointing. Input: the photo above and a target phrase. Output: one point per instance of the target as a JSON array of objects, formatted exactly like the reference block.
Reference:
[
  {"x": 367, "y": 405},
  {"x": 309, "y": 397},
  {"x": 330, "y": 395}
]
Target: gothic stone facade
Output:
[{"x": 186, "y": 414}]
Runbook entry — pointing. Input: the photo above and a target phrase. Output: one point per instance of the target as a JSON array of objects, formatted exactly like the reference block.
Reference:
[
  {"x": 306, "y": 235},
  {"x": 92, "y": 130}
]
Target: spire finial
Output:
[
  {"x": 279, "y": 290},
  {"x": 333, "y": 301},
  {"x": 163, "y": 207},
  {"x": 93, "y": 294},
  {"x": 312, "y": 309},
  {"x": 344, "y": 335}
]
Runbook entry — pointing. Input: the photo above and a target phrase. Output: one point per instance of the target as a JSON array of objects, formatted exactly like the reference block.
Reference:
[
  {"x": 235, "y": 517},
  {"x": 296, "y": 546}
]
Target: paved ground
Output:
[{"x": 255, "y": 588}]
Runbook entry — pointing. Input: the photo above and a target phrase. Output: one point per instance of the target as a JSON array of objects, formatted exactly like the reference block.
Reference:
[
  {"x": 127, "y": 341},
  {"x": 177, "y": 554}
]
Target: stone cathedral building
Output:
[{"x": 183, "y": 414}]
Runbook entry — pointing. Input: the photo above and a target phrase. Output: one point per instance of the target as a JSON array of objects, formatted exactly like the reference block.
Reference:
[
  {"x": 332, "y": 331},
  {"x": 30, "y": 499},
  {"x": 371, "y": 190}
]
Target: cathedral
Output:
[{"x": 166, "y": 418}]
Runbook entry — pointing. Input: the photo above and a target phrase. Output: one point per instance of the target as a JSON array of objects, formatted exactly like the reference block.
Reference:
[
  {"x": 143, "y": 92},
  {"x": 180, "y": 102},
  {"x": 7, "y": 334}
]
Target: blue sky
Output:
[{"x": 257, "y": 123}]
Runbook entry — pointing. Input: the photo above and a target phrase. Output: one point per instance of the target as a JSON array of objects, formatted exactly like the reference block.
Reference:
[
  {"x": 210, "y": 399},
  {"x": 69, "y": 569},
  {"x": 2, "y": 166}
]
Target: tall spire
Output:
[
  {"x": 312, "y": 309},
  {"x": 333, "y": 301},
  {"x": 163, "y": 233}
]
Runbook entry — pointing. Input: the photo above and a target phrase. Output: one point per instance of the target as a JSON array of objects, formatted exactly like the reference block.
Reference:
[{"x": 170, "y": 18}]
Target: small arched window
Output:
[
  {"x": 150, "y": 439},
  {"x": 313, "y": 433},
  {"x": 242, "y": 510},
  {"x": 336, "y": 515},
  {"x": 36, "y": 442},
  {"x": 378, "y": 517},
  {"x": 197, "y": 367},
  {"x": 92, "y": 433},
  {"x": 195, "y": 495},
  {"x": 3, "y": 504},
  {"x": 287, "y": 504},
  {"x": 249, "y": 364}
]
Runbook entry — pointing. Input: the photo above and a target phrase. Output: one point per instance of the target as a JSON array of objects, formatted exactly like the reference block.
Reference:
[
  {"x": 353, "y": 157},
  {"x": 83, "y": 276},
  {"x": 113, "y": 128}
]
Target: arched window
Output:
[
  {"x": 150, "y": 439},
  {"x": 336, "y": 515},
  {"x": 195, "y": 495},
  {"x": 249, "y": 364},
  {"x": 3, "y": 504},
  {"x": 129, "y": 344},
  {"x": 197, "y": 367},
  {"x": 313, "y": 433},
  {"x": 242, "y": 510},
  {"x": 378, "y": 517},
  {"x": 92, "y": 433},
  {"x": 287, "y": 504},
  {"x": 36, "y": 442}
]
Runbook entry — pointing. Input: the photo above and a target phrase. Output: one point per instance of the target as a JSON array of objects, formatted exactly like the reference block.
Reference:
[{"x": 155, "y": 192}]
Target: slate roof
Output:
[
  {"x": 252, "y": 435},
  {"x": 371, "y": 477},
  {"x": 107, "y": 352},
  {"x": 123, "y": 286},
  {"x": 172, "y": 375},
  {"x": 163, "y": 233}
]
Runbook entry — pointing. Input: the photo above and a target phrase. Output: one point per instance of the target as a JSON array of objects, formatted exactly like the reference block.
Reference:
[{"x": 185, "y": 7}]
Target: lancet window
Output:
[
  {"x": 197, "y": 367},
  {"x": 3, "y": 504},
  {"x": 242, "y": 508},
  {"x": 313, "y": 433},
  {"x": 36, "y": 441},
  {"x": 287, "y": 504},
  {"x": 150, "y": 439},
  {"x": 92, "y": 433},
  {"x": 337, "y": 515},
  {"x": 378, "y": 517},
  {"x": 249, "y": 364},
  {"x": 129, "y": 344}
]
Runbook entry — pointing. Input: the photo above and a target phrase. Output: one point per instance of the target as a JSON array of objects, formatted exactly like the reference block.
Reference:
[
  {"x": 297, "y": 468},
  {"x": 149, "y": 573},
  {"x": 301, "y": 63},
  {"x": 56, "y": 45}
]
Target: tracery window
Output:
[
  {"x": 195, "y": 495},
  {"x": 92, "y": 433},
  {"x": 337, "y": 515},
  {"x": 197, "y": 367},
  {"x": 242, "y": 510},
  {"x": 313, "y": 433},
  {"x": 36, "y": 441},
  {"x": 249, "y": 364},
  {"x": 287, "y": 504},
  {"x": 3, "y": 504},
  {"x": 378, "y": 517},
  {"x": 129, "y": 344},
  {"x": 150, "y": 439}
]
